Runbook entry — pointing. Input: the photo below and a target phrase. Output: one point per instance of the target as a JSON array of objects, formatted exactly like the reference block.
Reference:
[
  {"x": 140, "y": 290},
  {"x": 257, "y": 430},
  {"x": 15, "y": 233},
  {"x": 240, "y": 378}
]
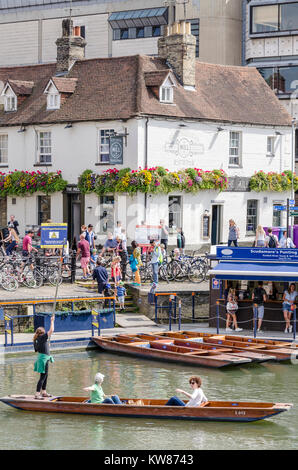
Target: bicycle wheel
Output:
[
  {"x": 196, "y": 272},
  {"x": 174, "y": 270},
  {"x": 9, "y": 283},
  {"x": 163, "y": 273},
  {"x": 54, "y": 277}
]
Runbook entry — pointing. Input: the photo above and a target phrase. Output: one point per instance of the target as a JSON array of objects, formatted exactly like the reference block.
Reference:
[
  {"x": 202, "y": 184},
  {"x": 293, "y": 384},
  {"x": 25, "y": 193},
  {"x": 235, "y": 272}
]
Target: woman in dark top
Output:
[{"x": 41, "y": 346}]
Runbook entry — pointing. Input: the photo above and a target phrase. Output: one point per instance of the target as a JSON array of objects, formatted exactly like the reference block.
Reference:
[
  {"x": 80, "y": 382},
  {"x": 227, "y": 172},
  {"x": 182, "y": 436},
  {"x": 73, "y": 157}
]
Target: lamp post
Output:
[{"x": 293, "y": 170}]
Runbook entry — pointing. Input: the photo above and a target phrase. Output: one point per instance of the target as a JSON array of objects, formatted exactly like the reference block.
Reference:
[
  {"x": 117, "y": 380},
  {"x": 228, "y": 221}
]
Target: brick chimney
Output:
[
  {"x": 178, "y": 47},
  {"x": 69, "y": 48}
]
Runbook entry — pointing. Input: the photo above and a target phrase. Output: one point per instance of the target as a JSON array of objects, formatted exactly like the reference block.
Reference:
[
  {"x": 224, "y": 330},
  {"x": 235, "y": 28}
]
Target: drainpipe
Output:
[{"x": 146, "y": 161}]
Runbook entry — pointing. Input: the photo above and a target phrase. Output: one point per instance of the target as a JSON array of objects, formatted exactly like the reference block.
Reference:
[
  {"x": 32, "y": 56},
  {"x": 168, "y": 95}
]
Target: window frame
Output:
[
  {"x": 53, "y": 101},
  {"x": 101, "y": 201},
  {"x": 274, "y": 32},
  {"x": 168, "y": 93},
  {"x": 10, "y": 103},
  {"x": 3, "y": 149},
  {"x": 175, "y": 213},
  {"x": 40, "y": 219},
  {"x": 101, "y": 143},
  {"x": 40, "y": 146},
  {"x": 256, "y": 215},
  {"x": 232, "y": 164},
  {"x": 271, "y": 152}
]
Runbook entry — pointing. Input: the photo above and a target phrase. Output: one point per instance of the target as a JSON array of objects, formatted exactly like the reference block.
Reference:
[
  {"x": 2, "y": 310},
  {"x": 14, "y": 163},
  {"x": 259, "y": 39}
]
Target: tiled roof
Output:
[
  {"x": 65, "y": 85},
  {"x": 20, "y": 87},
  {"x": 115, "y": 88},
  {"x": 155, "y": 78}
]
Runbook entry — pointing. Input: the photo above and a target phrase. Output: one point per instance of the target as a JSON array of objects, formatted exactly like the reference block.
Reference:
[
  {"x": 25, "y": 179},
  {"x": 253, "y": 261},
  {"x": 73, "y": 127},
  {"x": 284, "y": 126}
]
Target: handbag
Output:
[{"x": 133, "y": 263}]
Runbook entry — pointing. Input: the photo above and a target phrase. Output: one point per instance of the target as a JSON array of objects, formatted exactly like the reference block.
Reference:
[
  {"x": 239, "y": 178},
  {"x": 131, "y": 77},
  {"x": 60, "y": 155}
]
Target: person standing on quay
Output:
[
  {"x": 260, "y": 239},
  {"x": 233, "y": 233},
  {"x": 164, "y": 236},
  {"x": 41, "y": 346},
  {"x": 84, "y": 250},
  {"x": 155, "y": 260}
]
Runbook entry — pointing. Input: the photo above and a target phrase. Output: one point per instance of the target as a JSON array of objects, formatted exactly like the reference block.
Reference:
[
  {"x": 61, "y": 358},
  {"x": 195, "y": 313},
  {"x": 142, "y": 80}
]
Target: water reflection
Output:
[{"x": 129, "y": 377}]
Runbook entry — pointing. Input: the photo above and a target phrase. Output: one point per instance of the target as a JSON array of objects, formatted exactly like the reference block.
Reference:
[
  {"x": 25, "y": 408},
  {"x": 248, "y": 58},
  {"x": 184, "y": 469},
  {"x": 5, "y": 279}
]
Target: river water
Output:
[{"x": 129, "y": 377}]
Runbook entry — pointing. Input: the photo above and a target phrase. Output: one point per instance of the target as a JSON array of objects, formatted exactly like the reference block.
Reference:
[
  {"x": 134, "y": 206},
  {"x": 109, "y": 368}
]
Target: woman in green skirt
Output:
[{"x": 41, "y": 346}]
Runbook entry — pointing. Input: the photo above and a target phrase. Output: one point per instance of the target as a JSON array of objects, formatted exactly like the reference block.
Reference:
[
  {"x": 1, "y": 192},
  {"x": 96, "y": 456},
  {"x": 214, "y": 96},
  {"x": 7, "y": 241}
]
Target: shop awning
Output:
[{"x": 256, "y": 271}]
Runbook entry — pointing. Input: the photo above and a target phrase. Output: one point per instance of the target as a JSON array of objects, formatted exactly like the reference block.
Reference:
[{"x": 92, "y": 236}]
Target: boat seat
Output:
[
  {"x": 206, "y": 403},
  {"x": 135, "y": 402}
]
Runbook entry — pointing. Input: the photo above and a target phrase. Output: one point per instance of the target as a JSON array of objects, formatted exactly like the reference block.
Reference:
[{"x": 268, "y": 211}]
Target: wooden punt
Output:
[
  {"x": 245, "y": 339},
  {"x": 271, "y": 349},
  {"x": 164, "y": 349},
  {"x": 147, "y": 408},
  {"x": 249, "y": 353}
]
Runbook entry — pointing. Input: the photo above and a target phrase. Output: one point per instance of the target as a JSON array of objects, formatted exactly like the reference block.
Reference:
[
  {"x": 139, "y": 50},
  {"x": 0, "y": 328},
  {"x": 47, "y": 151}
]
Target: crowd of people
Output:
[
  {"x": 259, "y": 296},
  {"x": 262, "y": 239}
]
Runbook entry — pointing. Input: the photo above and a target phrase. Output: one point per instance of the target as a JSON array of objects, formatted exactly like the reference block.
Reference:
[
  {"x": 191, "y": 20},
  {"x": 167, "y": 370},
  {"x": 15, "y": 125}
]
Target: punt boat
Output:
[
  {"x": 195, "y": 343},
  {"x": 165, "y": 349},
  {"x": 282, "y": 353},
  {"x": 147, "y": 408}
]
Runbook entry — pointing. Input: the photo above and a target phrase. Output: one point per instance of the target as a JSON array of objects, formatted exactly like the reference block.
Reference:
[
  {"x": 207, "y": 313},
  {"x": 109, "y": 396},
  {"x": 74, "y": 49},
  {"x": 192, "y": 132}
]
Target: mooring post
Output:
[
  {"x": 217, "y": 316},
  {"x": 170, "y": 314}
]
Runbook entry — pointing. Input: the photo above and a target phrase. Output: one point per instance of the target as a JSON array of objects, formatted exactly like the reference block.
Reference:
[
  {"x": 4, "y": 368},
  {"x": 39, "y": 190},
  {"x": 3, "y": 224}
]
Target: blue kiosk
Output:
[{"x": 241, "y": 269}]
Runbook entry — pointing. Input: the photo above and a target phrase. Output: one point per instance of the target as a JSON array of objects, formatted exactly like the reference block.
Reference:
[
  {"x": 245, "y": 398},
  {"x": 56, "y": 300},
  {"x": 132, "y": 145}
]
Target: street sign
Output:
[
  {"x": 293, "y": 214},
  {"x": 280, "y": 208},
  {"x": 53, "y": 235},
  {"x": 291, "y": 202}
]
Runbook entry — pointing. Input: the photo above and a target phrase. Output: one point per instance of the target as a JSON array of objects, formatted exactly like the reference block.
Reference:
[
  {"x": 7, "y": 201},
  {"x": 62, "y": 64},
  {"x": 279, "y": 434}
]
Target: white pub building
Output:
[{"x": 171, "y": 111}]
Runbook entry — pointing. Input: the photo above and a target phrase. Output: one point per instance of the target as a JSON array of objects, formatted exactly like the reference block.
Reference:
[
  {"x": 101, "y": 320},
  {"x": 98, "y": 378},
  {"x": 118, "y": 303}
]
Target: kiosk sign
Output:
[
  {"x": 288, "y": 255},
  {"x": 53, "y": 235}
]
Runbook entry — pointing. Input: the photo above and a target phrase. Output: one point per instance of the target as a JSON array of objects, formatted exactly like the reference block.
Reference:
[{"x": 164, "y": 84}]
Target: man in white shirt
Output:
[{"x": 286, "y": 242}]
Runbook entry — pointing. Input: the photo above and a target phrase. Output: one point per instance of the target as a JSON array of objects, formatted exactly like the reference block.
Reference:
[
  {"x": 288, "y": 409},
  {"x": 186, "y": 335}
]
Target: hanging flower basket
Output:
[
  {"x": 24, "y": 183},
  {"x": 155, "y": 180}
]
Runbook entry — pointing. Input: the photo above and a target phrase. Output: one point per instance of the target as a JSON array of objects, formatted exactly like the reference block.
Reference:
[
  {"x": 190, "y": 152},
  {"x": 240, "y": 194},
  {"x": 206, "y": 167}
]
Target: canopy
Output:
[{"x": 256, "y": 271}]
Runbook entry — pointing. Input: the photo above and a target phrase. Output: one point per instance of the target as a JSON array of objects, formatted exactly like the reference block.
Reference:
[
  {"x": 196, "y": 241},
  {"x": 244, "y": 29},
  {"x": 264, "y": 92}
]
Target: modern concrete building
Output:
[
  {"x": 271, "y": 45},
  {"x": 111, "y": 28}
]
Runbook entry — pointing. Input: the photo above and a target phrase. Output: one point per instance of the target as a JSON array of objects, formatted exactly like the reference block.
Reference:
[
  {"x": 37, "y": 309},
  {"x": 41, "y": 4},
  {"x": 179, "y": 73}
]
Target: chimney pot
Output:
[
  {"x": 69, "y": 48},
  {"x": 179, "y": 49}
]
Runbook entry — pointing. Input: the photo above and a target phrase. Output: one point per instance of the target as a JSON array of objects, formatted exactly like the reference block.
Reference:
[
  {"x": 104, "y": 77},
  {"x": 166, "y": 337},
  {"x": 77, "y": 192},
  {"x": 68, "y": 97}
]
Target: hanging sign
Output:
[{"x": 116, "y": 150}]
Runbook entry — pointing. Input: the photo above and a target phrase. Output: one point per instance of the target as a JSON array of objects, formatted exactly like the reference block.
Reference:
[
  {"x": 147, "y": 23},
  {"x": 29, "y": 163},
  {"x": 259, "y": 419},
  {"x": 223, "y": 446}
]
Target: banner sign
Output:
[
  {"x": 53, "y": 235},
  {"x": 116, "y": 150},
  {"x": 145, "y": 233},
  {"x": 288, "y": 255}
]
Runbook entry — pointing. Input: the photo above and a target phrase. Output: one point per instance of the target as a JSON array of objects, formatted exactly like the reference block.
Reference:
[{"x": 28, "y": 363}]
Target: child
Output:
[
  {"x": 93, "y": 258},
  {"x": 232, "y": 308},
  {"x": 116, "y": 270},
  {"x": 180, "y": 240},
  {"x": 121, "y": 293},
  {"x": 163, "y": 252}
]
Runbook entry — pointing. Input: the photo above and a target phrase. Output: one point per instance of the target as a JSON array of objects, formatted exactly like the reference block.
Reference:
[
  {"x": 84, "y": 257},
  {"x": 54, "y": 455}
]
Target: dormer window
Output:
[
  {"x": 10, "y": 99},
  {"x": 166, "y": 91},
  {"x": 15, "y": 92},
  {"x": 53, "y": 96},
  {"x": 161, "y": 83},
  {"x": 58, "y": 90}
]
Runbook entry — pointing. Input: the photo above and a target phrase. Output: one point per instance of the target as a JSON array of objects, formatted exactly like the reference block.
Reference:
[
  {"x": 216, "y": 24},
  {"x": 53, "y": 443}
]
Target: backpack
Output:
[
  {"x": 272, "y": 242},
  {"x": 259, "y": 295},
  {"x": 160, "y": 258}
]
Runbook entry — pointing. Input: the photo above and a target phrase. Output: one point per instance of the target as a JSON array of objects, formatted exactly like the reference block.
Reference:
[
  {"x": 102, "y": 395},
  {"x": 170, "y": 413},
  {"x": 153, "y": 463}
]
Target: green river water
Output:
[{"x": 130, "y": 377}]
